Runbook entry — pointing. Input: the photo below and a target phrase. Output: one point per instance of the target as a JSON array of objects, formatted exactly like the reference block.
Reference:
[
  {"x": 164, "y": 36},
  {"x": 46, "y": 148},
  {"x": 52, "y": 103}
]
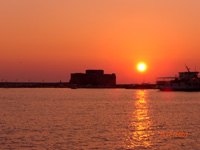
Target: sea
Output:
[{"x": 98, "y": 119}]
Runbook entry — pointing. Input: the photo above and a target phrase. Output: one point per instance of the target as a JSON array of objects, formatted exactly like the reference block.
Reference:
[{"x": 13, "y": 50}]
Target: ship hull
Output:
[{"x": 173, "y": 89}]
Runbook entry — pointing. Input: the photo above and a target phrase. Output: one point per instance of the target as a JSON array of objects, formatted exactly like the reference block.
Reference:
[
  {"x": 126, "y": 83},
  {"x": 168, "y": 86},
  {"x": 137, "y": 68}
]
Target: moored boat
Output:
[{"x": 186, "y": 81}]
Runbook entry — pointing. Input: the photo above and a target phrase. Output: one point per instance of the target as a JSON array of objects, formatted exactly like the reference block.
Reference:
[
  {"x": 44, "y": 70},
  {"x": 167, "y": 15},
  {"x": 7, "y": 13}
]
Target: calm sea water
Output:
[{"x": 116, "y": 119}]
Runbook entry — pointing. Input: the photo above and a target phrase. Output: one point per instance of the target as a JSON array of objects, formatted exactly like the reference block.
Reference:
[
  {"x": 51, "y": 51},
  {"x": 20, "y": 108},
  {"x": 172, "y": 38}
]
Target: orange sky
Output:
[{"x": 49, "y": 39}]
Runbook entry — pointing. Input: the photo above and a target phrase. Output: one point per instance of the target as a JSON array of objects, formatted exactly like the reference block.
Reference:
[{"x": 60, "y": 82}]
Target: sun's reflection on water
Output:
[{"x": 139, "y": 133}]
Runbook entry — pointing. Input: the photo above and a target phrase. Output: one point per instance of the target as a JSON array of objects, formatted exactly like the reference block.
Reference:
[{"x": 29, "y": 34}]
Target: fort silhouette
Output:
[{"x": 93, "y": 78}]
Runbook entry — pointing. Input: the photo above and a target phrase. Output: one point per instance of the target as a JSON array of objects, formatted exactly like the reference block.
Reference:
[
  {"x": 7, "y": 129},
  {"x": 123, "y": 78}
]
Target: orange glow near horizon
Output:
[{"x": 48, "y": 39}]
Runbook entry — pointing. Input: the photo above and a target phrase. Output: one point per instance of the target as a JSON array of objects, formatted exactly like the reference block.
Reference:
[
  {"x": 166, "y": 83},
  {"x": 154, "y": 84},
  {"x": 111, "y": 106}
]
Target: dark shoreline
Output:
[
  {"x": 68, "y": 85},
  {"x": 34, "y": 84}
]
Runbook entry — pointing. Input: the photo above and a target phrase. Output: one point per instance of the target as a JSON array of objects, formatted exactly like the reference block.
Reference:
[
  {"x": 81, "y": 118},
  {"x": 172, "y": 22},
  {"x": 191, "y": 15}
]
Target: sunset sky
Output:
[{"x": 49, "y": 39}]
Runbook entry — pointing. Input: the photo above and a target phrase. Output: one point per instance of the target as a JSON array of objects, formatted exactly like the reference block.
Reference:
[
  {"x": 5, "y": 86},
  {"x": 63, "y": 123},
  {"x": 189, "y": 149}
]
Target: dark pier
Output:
[{"x": 34, "y": 84}]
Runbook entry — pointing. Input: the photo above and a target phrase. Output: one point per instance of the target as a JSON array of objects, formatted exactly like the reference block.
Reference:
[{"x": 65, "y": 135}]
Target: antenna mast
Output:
[{"x": 187, "y": 68}]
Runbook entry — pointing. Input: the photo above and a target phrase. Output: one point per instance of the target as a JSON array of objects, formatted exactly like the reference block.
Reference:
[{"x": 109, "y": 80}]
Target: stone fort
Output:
[{"x": 93, "y": 78}]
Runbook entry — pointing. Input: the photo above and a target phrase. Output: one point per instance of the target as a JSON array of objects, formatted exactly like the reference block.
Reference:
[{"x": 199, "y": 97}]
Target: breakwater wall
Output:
[{"x": 34, "y": 84}]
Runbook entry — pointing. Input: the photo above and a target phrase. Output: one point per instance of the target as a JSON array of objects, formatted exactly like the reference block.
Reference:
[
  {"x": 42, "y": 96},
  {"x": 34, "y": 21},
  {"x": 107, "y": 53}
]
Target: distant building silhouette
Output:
[{"x": 93, "y": 78}]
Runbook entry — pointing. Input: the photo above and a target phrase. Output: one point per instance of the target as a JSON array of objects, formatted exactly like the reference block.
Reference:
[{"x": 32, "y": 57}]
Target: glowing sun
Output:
[{"x": 141, "y": 67}]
